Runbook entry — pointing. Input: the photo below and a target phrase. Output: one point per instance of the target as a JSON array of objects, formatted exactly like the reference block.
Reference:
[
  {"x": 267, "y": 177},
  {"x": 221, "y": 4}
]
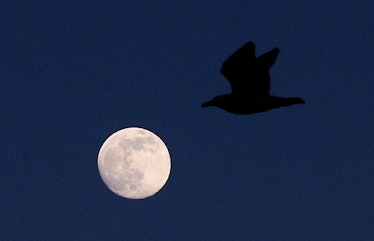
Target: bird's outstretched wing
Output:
[
  {"x": 247, "y": 74},
  {"x": 238, "y": 63},
  {"x": 265, "y": 61}
]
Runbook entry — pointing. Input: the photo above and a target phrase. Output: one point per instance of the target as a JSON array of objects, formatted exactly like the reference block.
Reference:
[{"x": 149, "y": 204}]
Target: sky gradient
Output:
[{"x": 73, "y": 72}]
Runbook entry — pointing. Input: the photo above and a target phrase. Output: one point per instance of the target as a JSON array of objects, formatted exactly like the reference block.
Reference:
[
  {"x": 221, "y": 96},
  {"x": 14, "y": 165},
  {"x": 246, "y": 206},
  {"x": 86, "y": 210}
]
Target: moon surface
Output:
[{"x": 134, "y": 163}]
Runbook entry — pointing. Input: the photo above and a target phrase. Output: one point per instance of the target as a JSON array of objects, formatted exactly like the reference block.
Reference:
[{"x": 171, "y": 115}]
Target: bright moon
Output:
[{"x": 134, "y": 163}]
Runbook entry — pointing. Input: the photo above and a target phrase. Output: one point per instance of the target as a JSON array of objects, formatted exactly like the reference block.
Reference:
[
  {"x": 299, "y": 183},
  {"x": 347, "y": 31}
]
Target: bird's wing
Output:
[
  {"x": 261, "y": 76},
  {"x": 249, "y": 75},
  {"x": 235, "y": 67},
  {"x": 265, "y": 61}
]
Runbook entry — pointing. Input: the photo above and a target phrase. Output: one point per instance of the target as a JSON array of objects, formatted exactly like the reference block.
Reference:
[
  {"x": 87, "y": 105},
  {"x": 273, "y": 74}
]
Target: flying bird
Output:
[{"x": 250, "y": 83}]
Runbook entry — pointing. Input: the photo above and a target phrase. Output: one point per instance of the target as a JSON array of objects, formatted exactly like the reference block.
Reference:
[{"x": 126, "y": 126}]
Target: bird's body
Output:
[
  {"x": 246, "y": 105},
  {"x": 250, "y": 82}
]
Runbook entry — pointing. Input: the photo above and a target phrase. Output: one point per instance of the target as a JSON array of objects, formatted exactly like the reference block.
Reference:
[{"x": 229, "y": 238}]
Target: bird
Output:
[{"x": 250, "y": 83}]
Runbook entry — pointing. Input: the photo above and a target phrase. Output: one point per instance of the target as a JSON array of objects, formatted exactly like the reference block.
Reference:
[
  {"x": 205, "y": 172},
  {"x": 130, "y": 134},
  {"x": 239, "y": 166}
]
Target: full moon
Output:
[{"x": 134, "y": 163}]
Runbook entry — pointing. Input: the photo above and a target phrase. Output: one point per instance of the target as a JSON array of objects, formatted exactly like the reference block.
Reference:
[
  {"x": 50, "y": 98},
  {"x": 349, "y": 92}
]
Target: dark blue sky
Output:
[{"x": 74, "y": 72}]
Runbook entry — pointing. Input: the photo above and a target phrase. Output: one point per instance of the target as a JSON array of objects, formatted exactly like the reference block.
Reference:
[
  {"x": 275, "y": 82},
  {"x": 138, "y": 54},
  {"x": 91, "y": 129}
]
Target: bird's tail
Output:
[
  {"x": 297, "y": 100},
  {"x": 281, "y": 101}
]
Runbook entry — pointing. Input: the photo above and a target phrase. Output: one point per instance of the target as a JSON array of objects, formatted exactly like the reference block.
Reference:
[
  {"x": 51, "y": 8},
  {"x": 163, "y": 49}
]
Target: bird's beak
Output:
[{"x": 207, "y": 104}]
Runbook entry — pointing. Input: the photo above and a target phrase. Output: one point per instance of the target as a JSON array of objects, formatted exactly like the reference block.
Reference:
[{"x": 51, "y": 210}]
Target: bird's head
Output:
[{"x": 218, "y": 101}]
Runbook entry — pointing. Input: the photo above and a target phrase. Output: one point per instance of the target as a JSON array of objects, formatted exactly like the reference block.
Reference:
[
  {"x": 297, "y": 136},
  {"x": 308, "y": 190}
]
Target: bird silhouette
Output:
[{"x": 250, "y": 83}]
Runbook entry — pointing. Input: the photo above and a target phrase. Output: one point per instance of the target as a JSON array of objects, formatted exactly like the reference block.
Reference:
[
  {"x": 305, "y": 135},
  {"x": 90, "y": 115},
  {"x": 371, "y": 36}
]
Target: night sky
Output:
[{"x": 74, "y": 72}]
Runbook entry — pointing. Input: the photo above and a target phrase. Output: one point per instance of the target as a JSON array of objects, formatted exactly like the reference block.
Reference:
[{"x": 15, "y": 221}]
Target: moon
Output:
[{"x": 134, "y": 163}]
